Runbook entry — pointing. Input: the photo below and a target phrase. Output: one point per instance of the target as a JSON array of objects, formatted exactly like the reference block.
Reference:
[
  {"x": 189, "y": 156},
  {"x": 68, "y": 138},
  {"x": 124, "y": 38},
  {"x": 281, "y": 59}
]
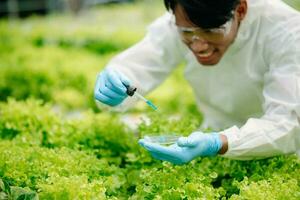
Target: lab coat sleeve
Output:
[
  {"x": 149, "y": 62},
  {"x": 277, "y": 131}
]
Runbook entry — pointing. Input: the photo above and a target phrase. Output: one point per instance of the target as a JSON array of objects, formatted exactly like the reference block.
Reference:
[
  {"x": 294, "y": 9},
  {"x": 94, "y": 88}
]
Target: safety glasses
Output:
[{"x": 192, "y": 34}]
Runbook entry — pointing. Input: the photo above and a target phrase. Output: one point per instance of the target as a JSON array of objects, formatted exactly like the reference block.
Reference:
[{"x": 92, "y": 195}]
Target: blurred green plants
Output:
[{"x": 294, "y": 3}]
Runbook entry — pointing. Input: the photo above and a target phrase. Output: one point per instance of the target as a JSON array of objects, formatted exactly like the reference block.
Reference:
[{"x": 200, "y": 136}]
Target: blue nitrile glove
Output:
[
  {"x": 110, "y": 87},
  {"x": 186, "y": 148}
]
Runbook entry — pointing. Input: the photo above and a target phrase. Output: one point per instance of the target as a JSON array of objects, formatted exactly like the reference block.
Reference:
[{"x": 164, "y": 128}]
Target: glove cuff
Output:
[{"x": 216, "y": 144}]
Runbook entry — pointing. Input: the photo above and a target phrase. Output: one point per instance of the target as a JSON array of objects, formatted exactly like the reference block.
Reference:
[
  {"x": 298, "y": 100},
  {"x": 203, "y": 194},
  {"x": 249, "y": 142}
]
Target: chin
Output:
[{"x": 209, "y": 63}]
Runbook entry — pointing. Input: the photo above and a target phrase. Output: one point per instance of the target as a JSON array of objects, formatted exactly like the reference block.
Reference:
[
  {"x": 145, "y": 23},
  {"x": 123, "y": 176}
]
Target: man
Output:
[{"x": 243, "y": 62}]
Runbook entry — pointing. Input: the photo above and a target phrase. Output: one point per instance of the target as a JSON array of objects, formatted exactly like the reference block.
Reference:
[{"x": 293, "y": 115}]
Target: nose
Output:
[{"x": 198, "y": 45}]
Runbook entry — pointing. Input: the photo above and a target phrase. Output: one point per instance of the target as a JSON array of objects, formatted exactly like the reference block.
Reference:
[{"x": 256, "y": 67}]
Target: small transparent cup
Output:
[{"x": 162, "y": 139}]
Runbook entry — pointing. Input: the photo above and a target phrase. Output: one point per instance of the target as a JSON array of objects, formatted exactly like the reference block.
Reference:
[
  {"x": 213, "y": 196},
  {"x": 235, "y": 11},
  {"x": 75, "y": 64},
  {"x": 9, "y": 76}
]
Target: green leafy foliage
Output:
[
  {"x": 55, "y": 156},
  {"x": 175, "y": 182},
  {"x": 276, "y": 187},
  {"x": 53, "y": 172},
  {"x": 35, "y": 124},
  {"x": 45, "y": 76},
  {"x": 216, "y": 178},
  {"x": 74, "y": 187},
  {"x": 98, "y": 46},
  {"x": 16, "y": 193},
  {"x": 48, "y": 150}
]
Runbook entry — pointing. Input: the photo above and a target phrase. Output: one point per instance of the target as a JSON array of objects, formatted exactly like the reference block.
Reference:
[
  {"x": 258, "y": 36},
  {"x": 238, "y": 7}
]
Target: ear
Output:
[{"x": 241, "y": 10}]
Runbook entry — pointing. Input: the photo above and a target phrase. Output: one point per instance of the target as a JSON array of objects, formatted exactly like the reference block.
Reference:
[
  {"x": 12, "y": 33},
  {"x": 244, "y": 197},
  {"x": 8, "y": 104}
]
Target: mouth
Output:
[{"x": 206, "y": 57}]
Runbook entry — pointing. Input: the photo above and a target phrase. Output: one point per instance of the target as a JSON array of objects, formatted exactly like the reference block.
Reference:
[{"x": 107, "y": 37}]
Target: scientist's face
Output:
[{"x": 209, "y": 45}]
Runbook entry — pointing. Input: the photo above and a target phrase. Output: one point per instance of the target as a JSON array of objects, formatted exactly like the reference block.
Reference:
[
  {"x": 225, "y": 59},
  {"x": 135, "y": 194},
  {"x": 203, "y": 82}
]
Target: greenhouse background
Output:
[{"x": 56, "y": 144}]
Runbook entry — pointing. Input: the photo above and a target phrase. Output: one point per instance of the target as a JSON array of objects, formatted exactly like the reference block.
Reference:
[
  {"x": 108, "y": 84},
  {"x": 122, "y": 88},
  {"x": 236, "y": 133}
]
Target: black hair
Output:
[{"x": 205, "y": 13}]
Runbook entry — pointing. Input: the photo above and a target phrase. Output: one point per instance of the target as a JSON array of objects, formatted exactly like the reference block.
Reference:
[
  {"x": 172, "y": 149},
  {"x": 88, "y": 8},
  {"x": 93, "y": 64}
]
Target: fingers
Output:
[
  {"x": 110, "y": 87},
  {"x": 106, "y": 100},
  {"x": 116, "y": 82},
  {"x": 111, "y": 93},
  {"x": 186, "y": 142},
  {"x": 97, "y": 85},
  {"x": 124, "y": 79},
  {"x": 141, "y": 142},
  {"x": 156, "y": 148},
  {"x": 192, "y": 140},
  {"x": 196, "y": 133},
  {"x": 165, "y": 153}
]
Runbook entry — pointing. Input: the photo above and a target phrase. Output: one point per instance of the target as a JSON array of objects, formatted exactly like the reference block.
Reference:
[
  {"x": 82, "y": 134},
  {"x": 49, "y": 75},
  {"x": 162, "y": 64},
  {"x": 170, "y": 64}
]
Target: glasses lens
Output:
[
  {"x": 189, "y": 35},
  {"x": 214, "y": 35}
]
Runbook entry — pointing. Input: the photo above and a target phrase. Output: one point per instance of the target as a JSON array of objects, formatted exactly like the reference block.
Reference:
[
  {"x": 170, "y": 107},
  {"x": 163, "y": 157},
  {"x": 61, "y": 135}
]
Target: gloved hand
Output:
[
  {"x": 186, "y": 148},
  {"x": 110, "y": 87}
]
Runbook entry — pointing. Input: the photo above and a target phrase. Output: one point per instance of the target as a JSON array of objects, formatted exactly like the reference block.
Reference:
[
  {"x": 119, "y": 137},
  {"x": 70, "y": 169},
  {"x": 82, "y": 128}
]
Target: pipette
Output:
[{"x": 132, "y": 91}]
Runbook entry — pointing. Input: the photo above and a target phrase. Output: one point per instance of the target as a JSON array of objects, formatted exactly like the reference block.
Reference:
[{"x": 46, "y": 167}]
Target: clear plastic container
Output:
[{"x": 162, "y": 139}]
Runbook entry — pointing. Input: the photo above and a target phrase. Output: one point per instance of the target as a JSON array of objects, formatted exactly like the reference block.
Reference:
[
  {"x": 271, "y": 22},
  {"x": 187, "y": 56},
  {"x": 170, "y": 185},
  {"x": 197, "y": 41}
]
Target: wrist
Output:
[{"x": 224, "y": 142}]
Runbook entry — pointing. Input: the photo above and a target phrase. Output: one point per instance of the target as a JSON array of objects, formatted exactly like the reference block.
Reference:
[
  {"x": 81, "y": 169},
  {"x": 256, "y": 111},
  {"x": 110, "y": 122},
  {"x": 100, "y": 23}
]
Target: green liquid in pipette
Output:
[
  {"x": 151, "y": 105},
  {"x": 146, "y": 101}
]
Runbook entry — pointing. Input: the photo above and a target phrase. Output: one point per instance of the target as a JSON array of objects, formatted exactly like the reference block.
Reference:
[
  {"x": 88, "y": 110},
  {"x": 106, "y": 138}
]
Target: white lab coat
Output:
[{"x": 252, "y": 94}]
